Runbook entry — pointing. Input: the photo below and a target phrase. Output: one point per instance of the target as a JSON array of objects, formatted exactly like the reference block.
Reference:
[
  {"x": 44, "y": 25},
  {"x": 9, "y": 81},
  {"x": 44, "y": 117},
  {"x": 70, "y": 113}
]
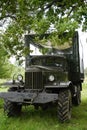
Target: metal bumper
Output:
[{"x": 30, "y": 98}]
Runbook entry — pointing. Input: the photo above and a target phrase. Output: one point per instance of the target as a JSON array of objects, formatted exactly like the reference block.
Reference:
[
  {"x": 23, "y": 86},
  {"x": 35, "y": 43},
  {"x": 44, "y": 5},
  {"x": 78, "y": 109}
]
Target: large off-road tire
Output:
[
  {"x": 77, "y": 99},
  {"x": 64, "y": 105},
  {"x": 12, "y": 109}
]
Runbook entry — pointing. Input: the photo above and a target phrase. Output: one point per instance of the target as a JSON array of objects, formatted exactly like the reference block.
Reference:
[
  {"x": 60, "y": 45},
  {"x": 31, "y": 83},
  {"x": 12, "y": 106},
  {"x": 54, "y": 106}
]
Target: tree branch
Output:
[
  {"x": 8, "y": 16},
  {"x": 73, "y": 8},
  {"x": 50, "y": 4}
]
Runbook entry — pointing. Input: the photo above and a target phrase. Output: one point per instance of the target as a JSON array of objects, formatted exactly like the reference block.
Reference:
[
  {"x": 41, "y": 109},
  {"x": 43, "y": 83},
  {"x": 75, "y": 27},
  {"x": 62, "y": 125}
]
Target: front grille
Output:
[{"x": 33, "y": 80}]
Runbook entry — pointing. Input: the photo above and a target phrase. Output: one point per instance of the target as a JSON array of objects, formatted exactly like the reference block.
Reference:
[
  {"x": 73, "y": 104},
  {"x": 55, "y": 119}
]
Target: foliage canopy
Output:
[
  {"x": 39, "y": 16},
  {"x": 5, "y": 67}
]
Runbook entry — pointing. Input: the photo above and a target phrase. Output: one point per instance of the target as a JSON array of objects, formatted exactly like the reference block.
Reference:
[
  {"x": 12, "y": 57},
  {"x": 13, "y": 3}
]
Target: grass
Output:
[{"x": 32, "y": 119}]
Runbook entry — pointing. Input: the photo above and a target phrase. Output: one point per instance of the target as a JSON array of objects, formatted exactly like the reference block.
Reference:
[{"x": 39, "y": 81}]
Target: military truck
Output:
[{"x": 53, "y": 78}]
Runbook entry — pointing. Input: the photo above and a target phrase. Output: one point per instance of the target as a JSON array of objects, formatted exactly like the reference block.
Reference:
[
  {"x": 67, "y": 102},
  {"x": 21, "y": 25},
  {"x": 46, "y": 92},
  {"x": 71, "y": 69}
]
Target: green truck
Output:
[{"x": 53, "y": 78}]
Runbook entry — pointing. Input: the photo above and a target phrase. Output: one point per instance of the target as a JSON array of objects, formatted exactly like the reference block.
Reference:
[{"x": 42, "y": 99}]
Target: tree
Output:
[
  {"x": 85, "y": 71},
  {"x": 39, "y": 16},
  {"x": 5, "y": 66},
  {"x": 7, "y": 70}
]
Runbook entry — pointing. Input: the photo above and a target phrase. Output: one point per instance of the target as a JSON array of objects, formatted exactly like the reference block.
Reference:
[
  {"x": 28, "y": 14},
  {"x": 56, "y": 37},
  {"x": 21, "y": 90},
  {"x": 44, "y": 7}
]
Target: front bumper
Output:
[{"x": 29, "y": 98}]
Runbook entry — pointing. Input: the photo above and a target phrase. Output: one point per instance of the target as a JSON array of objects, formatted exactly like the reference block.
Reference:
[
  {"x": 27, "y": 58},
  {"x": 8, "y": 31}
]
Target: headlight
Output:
[
  {"x": 20, "y": 77},
  {"x": 51, "y": 78}
]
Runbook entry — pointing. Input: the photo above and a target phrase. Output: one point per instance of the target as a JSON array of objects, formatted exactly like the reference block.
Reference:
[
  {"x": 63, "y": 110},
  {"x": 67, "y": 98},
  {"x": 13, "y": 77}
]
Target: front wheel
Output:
[
  {"x": 64, "y": 105},
  {"x": 12, "y": 109}
]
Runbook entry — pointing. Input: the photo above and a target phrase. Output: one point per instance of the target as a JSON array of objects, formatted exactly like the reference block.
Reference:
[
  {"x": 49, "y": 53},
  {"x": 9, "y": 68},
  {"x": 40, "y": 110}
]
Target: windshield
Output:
[
  {"x": 43, "y": 46},
  {"x": 35, "y": 50}
]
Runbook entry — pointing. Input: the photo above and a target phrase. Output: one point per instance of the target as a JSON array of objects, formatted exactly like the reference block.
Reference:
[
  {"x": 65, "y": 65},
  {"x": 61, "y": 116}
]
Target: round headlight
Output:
[
  {"x": 20, "y": 77},
  {"x": 51, "y": 78}
]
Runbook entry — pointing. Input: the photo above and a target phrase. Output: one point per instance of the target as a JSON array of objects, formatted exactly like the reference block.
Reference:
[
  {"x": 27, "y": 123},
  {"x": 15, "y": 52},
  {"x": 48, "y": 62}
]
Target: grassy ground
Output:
[{"x": 32, "y": 119}]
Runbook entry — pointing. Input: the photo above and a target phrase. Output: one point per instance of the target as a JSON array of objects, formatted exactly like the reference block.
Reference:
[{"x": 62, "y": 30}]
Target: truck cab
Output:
[{"x": 52, "y": 76}]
